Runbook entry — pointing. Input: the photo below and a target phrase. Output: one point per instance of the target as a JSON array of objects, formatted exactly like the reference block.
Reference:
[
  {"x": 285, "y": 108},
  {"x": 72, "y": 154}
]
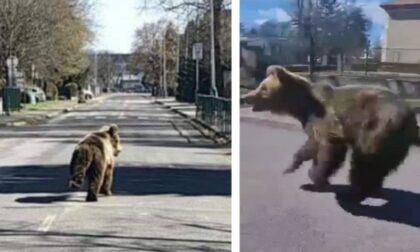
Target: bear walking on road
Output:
[
  {"x": 376, "y": 124},
  {"x": 94, "y": 158}
]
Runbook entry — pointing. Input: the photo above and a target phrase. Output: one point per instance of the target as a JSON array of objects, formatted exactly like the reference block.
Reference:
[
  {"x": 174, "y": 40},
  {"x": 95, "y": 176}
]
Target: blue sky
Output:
[
  {"x": 116, "y": 22},
  {"x": 254, "y": 12}
]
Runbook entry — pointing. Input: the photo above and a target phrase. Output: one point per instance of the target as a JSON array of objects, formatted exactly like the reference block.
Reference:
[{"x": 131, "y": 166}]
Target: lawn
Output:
[{"x": 49, "y": 105}]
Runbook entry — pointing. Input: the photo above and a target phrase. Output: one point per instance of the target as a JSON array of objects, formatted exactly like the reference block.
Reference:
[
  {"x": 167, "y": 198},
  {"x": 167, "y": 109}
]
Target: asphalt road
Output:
[
  {"x": 278, "y": 213},
  {"x": 172, "y": 187}
]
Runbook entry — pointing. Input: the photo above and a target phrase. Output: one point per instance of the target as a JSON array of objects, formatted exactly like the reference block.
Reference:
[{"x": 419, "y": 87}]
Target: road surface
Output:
[
  {"x": 172, "y": 187},
  {"x": 278, "y": 213}
]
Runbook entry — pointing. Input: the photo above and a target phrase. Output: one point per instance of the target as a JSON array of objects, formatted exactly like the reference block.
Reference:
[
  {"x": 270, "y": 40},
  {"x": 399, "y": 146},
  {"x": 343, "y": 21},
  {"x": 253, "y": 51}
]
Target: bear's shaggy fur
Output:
[
  {"x": 94, "y": 157},
  {"x": 377, "y": 125}
]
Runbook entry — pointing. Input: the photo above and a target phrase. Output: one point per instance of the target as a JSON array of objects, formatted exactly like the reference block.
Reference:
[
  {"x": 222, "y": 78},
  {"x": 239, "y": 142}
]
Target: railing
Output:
[{"x": 215, "y": 111}]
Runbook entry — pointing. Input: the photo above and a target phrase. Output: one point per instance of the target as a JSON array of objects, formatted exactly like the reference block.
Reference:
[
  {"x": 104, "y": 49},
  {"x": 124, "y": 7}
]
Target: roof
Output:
[{"x": 402, "y": 4}]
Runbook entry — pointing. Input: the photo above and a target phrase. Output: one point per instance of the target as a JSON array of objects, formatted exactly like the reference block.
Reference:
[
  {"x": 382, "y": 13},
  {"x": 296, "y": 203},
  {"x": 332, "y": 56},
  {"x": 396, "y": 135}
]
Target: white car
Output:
[
  {"x": 37, "y": 92},
  {"x": 87, "y": 94}
]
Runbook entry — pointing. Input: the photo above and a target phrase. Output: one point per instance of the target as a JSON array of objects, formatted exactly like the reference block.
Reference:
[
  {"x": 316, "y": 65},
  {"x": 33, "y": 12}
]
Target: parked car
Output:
[
  {"x": 87, "y": 94},
  {"x": 37, "y": 92}
]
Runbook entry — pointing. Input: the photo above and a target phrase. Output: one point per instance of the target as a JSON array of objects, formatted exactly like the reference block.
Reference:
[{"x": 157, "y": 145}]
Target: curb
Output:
[{"x": 205, "y": 129}]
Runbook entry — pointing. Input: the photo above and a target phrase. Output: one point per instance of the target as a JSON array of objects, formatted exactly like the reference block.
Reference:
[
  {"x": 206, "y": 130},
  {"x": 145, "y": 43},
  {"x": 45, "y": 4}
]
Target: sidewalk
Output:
[
  {"x": 33, "y": 114},
  {"x": 188, "y": 110}
]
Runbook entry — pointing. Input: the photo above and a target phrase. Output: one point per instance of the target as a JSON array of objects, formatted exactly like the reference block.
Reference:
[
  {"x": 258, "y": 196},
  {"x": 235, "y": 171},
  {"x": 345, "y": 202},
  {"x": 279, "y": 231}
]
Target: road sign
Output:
[
  {"x": 197, "y": 51},
  {"x": 12, "y": 61}
]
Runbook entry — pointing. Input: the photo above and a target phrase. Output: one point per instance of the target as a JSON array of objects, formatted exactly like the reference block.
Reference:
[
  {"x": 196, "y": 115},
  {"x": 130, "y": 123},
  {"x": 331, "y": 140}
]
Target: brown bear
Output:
[
  {"x": 375, "y": 123},
  {"x": 94, "y": 157}
]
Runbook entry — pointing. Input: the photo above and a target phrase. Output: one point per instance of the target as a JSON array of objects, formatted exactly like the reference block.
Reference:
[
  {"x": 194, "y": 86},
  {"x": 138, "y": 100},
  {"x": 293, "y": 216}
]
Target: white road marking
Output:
[
  {"x": 46, "y": 224},
  {"x": 100, "y": 117}
]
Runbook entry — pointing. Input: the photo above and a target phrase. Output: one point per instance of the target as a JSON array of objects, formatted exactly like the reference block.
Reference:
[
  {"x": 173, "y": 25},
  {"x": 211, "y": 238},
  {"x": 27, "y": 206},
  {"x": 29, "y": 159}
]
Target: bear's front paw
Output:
[
  {"x": 91, "y": 198},
  {"x": 289, "y": 170},
  {"x": 317, "y": 179}
]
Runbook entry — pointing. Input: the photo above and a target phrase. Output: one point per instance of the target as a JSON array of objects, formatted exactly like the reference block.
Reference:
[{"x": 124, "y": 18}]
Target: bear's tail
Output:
[{"x": 80, "y": 162}]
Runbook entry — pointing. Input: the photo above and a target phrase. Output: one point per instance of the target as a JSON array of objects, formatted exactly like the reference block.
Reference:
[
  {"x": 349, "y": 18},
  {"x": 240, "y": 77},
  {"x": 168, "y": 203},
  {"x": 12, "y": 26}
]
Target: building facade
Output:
[{"x": 401, "y": 43}]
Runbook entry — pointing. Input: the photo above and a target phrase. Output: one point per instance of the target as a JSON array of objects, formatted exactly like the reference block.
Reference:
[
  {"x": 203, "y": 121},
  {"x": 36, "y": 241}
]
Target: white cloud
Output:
[
  {"x": 274, "y": 14},
  {"x": 260, "y": 21},
  {"x": 374, "y": 12}
]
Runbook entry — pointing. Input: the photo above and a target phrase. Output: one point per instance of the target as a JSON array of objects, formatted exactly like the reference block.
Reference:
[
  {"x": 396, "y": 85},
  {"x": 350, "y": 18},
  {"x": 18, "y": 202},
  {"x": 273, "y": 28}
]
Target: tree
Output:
[
  {"x": 331, "y": 27},
  {"x": 147, "y": 51},
  {"x": 105, "y": 70},
  {"x": 50, "y": 35},
  {"x": 190, "y": 8}
]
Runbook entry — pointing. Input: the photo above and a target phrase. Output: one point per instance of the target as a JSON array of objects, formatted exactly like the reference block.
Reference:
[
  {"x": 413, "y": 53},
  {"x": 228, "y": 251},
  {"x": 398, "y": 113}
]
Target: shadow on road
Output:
[
  {"x": 183, "y": 180},
  {"x": 401, "y": 206},
  {"x": 111, "y": 241},
  {"x": 43, "y": 199}
]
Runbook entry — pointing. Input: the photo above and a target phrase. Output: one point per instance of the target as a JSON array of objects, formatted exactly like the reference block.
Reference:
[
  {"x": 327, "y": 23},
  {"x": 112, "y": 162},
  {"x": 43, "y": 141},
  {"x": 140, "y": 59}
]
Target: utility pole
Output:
[
  {"x": 161, "y": 66},
  {"x": 165, "y": 91},
  {"x": 33, "y": 74},
  {"x": 367, "y": 57},
  {"x": 177, "y": 52},
  {"x": 197, "y": 60},
  {"x": 311, "y": 40},
  {"x": 213, "y": 58},
  {"x": 96, "y": 70}
]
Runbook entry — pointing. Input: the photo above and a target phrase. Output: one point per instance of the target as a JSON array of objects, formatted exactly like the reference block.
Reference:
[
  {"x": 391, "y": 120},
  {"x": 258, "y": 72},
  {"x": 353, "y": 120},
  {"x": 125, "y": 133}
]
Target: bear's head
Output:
[
  {"x": 114, "y": 134},
  {"x": 278, "y": 91},
  {"x": 283, "y": 92}
]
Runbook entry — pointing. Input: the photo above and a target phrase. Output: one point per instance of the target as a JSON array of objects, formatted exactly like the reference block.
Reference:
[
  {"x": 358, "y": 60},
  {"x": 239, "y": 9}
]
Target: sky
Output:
[
  {"x": 255, "y": 12},
  {"x": 116, "y": 22}
]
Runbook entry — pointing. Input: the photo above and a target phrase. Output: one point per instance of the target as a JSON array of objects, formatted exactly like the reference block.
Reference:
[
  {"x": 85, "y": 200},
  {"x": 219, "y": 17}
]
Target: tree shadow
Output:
[
  {"x": 44, "y": 199},
  {"x": 182, "y": 180},
  {"x": 109, "y": 240},
  {"x": 400, "y": 206},
  {"x": 167, "y": 143}
]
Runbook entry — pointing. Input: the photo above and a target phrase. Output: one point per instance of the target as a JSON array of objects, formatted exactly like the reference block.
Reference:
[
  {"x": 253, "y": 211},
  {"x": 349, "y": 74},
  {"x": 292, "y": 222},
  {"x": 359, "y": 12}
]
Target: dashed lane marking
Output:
[{"x": 46, "y": 224}]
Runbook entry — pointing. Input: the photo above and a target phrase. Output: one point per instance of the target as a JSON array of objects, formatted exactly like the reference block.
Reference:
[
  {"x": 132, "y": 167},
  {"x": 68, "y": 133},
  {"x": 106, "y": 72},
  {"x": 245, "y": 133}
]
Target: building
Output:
[{"x": 402, "y": 40}]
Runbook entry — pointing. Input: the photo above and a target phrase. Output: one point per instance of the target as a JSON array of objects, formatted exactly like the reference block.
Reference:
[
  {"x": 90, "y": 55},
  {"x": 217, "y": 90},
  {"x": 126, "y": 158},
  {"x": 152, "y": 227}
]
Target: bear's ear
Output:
[{"x": 113, "y": 129}]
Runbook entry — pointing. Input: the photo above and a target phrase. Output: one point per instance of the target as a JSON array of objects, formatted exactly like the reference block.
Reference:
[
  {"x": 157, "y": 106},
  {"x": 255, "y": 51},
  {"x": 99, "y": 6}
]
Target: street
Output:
[
  {"x": 172, "y": 190},
  {"x": 281, "y": 213}
]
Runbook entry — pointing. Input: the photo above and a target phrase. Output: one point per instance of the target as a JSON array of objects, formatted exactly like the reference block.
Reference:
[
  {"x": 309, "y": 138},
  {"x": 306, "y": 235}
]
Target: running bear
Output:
[
  {"x": 94, "y": 157},
  {"x": 377, "y": 125}
]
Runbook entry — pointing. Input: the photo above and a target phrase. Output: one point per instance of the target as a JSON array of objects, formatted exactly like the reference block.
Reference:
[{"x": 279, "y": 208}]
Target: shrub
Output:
[{"x": 52, "y": 92}]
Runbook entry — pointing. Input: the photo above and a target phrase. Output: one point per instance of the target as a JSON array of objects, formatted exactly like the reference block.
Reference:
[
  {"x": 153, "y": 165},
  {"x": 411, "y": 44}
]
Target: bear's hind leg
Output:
[
  {"x": 368, "y": 171},
  {"x": 96, "y": 177}
]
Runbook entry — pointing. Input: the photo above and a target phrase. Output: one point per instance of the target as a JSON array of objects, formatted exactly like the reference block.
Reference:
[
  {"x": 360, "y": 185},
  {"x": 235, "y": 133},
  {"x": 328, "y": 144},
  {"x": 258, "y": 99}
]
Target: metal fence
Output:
[
  {"x": 215, "y": 111},
  {"x": 392, "y": 60}
]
